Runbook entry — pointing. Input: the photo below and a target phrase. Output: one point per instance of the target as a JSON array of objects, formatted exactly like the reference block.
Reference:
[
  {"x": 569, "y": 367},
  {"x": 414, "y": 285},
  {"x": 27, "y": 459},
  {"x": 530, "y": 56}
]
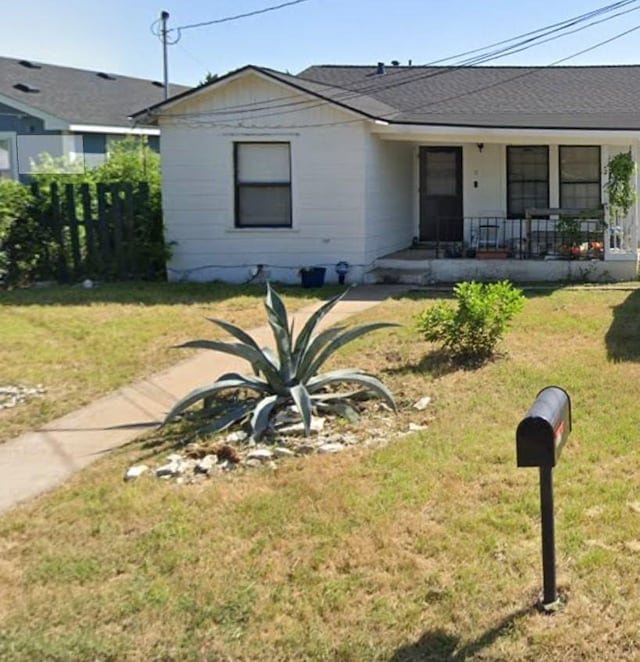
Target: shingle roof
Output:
[
  {"x": 596, "y": 97},
  {"x": 78, "y": 96}
]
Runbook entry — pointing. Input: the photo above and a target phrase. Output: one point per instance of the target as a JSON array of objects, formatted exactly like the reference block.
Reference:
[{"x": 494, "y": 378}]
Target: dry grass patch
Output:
[
  {"x": 80, "y": 344},
  {"x": 425, "y": 549}
]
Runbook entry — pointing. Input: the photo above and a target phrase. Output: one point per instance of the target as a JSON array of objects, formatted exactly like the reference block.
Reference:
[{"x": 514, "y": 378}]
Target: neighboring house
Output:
[
  {"x": 273, "y": 172},
  {"x": 67, "y": 112}
]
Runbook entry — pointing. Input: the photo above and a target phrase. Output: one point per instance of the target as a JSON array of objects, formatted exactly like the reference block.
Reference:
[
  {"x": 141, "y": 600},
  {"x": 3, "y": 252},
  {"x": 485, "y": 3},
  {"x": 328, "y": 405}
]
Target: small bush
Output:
[
  {"x": 22, "y": 240},
  {"x": 472, "y": 331}
]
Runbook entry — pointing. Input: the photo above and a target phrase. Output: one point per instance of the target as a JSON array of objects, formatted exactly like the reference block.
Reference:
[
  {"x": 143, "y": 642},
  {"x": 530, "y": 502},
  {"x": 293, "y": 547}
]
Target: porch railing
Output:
[{"x": 535, "y": 237}]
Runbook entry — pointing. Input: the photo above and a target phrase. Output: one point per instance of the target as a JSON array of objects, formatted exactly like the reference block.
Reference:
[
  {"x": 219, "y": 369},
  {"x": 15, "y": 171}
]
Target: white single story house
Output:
[{"x": 403, "y": 172}]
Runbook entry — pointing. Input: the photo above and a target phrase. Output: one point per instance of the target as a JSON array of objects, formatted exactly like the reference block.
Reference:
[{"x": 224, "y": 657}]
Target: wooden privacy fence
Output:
[{"x": 104, "y": 231}]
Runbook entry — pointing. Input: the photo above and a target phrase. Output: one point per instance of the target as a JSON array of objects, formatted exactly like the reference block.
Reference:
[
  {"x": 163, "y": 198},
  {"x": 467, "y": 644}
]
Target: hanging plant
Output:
[{"x": 622, "y": 195}]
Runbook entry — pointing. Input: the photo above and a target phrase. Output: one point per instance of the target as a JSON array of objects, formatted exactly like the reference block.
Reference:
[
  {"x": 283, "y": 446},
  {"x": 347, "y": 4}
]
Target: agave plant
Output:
[{"x": 288, "y": 376}]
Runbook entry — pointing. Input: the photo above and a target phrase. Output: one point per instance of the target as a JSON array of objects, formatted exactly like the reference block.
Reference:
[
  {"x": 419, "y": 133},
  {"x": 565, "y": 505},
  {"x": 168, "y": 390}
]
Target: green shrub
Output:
[
  {"x": 288, "y": 376},
  {"x": 22, "y": 241},
  {"x": 472, "y": 331}
]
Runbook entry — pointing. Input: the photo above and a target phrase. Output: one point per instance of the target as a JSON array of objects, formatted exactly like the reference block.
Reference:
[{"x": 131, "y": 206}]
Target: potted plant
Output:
[
  {"x": 312, "y": 276},
  {"x": 622, "y": 196}
]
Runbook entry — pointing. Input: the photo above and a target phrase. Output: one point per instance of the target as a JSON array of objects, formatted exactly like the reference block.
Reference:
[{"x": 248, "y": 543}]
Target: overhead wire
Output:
[
  {"x": 226, "y": 19},
  {"x": 354, "y": 91},
  {"x": 527, "y": 72}
]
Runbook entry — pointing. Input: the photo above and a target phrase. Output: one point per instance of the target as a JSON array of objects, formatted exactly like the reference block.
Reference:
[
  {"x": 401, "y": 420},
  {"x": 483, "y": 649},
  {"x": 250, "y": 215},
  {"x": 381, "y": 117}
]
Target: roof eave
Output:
[
  {"x": 412, "y": 130},
  {"x": 51, "y": 122},
  {"x": 150, "y": 115}
]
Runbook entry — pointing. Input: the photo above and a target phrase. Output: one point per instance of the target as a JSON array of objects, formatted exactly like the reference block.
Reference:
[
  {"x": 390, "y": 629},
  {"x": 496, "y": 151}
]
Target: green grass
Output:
[
  {"x": 425, "y": 549},
  {"x": 80, "y": 344}
]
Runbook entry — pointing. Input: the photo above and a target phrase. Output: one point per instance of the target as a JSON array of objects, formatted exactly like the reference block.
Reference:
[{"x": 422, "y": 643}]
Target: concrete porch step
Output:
[{"x": 390, "y": 275}]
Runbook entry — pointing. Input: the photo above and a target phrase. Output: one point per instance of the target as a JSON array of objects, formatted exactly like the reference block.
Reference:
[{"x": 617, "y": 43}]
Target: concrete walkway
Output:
[{"x": 41, "y": 460}]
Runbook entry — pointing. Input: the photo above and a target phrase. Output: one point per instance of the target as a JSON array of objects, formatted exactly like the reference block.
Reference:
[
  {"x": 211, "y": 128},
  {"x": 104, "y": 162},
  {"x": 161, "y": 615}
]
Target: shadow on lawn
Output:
[
  {"x": 442, "y": 646},
  {"x": 151, "y": 294},
  {"x": 623, "y": 337}
]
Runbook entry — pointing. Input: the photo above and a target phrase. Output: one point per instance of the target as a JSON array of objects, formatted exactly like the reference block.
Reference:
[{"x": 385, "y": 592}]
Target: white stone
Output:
[
  {"x": 330, "y": 448},
  {"x": 235, "y": 437},
  {"x": 317, "y": 425},
  {"x": 135, "y": 471},
  {"x": 414, "y": 427},
  {"x": 205, "y": 465},
  {"x": 87, "y": 284},
  {"x": 253, "y": 462},
  {"x": 260, "y": 454},
  {"x": 281, "y": 451},
  {"x": 423, "y": 403},
  {"x": 168, "y": 470}
]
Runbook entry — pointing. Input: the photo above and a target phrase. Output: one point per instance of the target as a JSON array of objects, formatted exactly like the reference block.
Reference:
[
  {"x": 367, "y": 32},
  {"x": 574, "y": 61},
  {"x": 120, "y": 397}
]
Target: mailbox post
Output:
[{"x": 540, "y": 437}]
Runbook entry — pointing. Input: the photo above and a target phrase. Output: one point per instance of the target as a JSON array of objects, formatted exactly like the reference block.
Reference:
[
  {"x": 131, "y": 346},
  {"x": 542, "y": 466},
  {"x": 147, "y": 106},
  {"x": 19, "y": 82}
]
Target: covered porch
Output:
[{"x": 519, "y": 204}]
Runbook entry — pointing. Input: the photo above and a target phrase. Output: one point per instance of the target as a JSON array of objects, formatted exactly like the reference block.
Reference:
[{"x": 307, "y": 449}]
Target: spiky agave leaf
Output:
[
  {"x": 234, "y": 415},
  {"x": 261, "y": 415},
  {"x": 309, "y": 352},
  {"x": 342, "y": 409},
  {"x": 237, "y": 333},
  {"x": 369, "y": 381},
  {"x": 235, "y": 382},
  {"x": 313, "y": 363},
  {"x": 278, "y": 321},
  {"x": 302, "y": 402},
  {"x": 305, "y": 336},
  {"x": 254, "y": 356}
]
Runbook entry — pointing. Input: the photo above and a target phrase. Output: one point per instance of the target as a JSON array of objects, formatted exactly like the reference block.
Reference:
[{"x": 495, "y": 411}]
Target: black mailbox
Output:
[{"x": 543, "y": 432}]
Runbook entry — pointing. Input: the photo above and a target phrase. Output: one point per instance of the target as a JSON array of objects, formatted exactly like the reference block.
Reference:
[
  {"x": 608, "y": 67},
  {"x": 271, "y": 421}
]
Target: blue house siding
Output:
[{"x": 16, "y": 121}]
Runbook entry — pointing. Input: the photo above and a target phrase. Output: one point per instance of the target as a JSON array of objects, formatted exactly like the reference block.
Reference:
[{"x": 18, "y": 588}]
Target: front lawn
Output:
[
  {"x": 425, "y": 549},
  {"x": 82, "y": 343}
]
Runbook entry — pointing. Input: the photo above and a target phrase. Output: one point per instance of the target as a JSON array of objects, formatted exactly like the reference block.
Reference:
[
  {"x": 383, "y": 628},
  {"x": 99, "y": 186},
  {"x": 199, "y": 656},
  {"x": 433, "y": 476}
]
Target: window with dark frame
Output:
[
  {"x": 580, "y": 178},
  {"x": 262, "y": 184},
  {"x": 527, "y": 179}
]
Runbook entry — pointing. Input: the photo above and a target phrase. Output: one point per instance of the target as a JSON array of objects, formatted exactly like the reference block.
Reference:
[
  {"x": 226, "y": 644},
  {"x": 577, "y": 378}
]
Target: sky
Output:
[{"x": 116, "y": 36}]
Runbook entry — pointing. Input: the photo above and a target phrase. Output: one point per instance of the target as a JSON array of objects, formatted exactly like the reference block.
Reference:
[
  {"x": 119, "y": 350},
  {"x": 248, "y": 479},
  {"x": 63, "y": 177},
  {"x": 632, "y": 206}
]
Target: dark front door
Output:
[{"x": 441, "y": 194}]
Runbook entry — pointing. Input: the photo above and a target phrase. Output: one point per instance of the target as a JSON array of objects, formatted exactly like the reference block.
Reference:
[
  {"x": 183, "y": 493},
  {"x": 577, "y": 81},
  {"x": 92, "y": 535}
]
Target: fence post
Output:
[
  {"x": 70, "y": 196},
  {"x": 103, "y": 229},
  {"x": 58, "y": 234}
]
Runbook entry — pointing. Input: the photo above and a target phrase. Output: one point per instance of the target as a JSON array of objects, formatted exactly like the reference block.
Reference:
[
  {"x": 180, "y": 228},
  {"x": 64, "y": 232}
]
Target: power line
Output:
[
  {"x": 524, "y": 74},
  {"x": 226, "y": 19},
  {"x": 275, "y": 108}
]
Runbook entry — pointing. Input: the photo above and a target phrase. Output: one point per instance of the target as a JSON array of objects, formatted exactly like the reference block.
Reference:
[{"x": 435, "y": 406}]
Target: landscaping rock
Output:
[
  {"x": 204, "y": 460},
  {"x": 423, "y": 403},
  {"x": 261, "y": 454},
  {"x": 281, "y": 451},
  {"x": 317, "y": 425},
  {"x": 206, "y": 464},
  {"x": 12, "y": 395},
  {"x": 135, "y": 471},
  {"x": 168, "y": 470},
  {"x": 235, "y": 437},
  {"x": 330, "y": 448}
]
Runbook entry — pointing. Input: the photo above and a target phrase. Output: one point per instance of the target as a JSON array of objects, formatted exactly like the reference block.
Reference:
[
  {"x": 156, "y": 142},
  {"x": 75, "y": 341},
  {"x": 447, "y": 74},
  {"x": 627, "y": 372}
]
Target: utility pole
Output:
[{"x": 164, "y": 17}]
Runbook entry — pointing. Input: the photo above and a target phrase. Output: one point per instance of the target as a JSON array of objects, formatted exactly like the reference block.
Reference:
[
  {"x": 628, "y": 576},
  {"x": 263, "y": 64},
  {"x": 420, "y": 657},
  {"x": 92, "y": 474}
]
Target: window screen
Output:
[
  {"x": 263, "y": 184},
  {"x": 527, "y": 179},
  {"x": 580, "y": 186}
]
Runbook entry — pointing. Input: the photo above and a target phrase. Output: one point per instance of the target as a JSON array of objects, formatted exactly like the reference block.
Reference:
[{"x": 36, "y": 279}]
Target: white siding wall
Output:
[
  {"x": 390, "y": 199},
  {"x": 484, "y": 180},
  {"x": 327, "y": 182}
]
